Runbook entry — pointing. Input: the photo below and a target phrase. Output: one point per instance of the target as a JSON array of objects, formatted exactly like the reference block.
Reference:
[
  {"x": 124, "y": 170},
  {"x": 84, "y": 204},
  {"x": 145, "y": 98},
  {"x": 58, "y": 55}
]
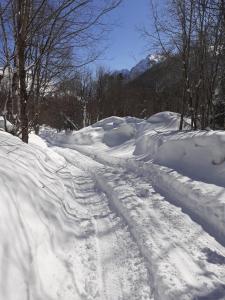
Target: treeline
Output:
[
  {"x": 194, "y": 30},
  {"x": 189, "y": 80},
  {"x": 83, "y": 100}
]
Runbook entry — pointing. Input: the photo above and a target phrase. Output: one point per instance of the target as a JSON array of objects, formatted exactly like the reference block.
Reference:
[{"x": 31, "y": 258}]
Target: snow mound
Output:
[
  {"x": 199, "y": 155},
  {"x": 119, "y": 135},
  {"x": 36, "y": 140},
  {"x": 153, "y": 132},
  {"x": 109, "y": 123},
  {"x": 109, "y": 132},
  {"x": 37, "y": 238},
  {"x": 165, "y": 119}
]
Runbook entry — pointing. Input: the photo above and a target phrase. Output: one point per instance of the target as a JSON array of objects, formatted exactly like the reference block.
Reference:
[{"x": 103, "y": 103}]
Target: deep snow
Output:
[{"x": 124, "y": 209}]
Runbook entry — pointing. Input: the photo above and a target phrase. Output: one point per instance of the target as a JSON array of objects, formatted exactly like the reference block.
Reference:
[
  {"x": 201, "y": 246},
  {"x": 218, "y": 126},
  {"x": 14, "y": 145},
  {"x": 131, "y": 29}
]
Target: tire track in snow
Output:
[
  {"x": 112, "y": 264},
  {"x": 171, "y": 242},
  {"x": 198, "y": 205},
  {"x": 203, "y": 278}
]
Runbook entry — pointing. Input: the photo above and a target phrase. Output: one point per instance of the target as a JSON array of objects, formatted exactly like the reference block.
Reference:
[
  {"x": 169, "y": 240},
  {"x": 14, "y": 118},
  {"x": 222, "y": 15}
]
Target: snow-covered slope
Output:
[
  {"x": 141, "y": 67},
  {"x": 144, "y": 65},
  {"x": 123, "y": 209}
]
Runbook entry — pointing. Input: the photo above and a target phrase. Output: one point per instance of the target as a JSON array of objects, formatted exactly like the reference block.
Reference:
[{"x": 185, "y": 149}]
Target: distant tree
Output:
[{"x": 193, "y": 30}]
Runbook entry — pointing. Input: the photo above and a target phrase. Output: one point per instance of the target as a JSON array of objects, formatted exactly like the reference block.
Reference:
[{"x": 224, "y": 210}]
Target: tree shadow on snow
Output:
[
  {"x": 217, "y": 294},
  {"x": 213, "y": 257}
]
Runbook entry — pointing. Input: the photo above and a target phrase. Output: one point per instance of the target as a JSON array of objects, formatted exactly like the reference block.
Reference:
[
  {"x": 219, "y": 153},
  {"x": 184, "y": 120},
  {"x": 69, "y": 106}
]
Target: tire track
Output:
[
  {"x": 111, "y": 261},
  {"x": 171, "y": 242}
]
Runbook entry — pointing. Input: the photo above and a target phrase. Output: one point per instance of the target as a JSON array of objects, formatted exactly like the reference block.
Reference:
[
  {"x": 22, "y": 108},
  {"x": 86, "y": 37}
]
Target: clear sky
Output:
[{"x": 126, "y": 47}]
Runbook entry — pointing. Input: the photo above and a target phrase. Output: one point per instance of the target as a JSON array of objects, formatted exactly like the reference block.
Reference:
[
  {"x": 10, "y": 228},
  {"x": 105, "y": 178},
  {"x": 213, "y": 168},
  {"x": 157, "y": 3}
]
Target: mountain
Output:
[
  {"x": 141, "y": 67},
  {"x": 124, "y": 72}
]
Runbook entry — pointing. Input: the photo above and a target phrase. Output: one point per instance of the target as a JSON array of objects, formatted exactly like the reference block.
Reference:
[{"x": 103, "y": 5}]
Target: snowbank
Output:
[
  {"x": 8, "y": 124},
  {"x": 199, "y": 154},
  {"x": 110, "y": 132},
  {"x": 38, "y": 239},
  {"x": 204, "y": 202}
]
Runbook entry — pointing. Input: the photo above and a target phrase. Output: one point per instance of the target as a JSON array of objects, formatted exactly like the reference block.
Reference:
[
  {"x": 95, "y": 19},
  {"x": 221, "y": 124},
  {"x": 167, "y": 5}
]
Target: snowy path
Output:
[
  {"x": 183, "y": 261},
  {"x": 112, "y": 265}
]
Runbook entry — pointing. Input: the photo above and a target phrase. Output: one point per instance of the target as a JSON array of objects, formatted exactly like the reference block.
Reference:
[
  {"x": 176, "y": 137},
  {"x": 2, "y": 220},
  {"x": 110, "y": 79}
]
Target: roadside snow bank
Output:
[
  {"x": 165, "y": 120},
  {"x": 107, "y": 133},
  {"x": 187, "y": 167},
  {"x": 37, "y": 235},
  {"x": 199, "y": 155},
  {"x": 119, "y": 135},
  {"x": 204, "y": 202}
]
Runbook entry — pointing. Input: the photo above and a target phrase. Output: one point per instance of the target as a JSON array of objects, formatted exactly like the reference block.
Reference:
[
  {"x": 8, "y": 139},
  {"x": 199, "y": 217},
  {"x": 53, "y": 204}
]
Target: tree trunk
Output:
[
  {"x": 23, "y": 94},
  {"x": 21, "y": 53}
]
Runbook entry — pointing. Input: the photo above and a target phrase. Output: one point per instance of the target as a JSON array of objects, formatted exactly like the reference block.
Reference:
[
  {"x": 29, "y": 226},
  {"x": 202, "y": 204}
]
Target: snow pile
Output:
[
  {"x": 38, "y": 239},
  {"x": 165, "y": 120},
  {"x": 153, "y": 132},
  {"x": 109, "y": 132},
  {"x": 119, "y": 135},
  {"x": 199, "y": 155}
]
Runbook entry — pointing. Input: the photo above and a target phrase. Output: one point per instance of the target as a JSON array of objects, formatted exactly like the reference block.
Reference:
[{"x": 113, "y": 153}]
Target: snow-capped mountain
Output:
[
  {"x": 144, "y": 65},
  {"x": 141, "y": 67}
]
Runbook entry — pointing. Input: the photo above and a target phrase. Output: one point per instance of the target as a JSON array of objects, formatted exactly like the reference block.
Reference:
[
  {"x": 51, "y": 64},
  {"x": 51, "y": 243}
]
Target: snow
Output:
[
  {"x": 141, "y": 67},
  {"x": 123, "y": 209},
  {"x": 205, "y": 151},
  {"x": 8, "y": 124}
]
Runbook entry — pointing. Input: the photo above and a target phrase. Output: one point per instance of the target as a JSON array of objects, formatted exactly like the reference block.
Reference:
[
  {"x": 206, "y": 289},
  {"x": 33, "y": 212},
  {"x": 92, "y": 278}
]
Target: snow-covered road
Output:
[
  {"x": 146, "y": 247},
  {"x": 113, "y": 265}
]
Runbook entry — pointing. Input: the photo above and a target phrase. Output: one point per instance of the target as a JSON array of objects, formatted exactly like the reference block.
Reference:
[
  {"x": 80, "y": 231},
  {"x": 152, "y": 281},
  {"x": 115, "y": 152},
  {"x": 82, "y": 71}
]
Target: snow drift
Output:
[{"x": 37, "y": 236}]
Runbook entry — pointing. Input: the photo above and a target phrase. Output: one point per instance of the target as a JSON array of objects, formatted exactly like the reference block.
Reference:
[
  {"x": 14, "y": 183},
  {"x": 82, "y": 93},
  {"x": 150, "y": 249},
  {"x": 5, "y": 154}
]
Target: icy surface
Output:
[{"x": 124, "y": 209}]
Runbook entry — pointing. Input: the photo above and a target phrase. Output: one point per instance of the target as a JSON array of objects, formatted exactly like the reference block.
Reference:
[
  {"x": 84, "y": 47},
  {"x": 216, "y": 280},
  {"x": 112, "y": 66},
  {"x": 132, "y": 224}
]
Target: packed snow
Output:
[{"x": 124, "y": 209}]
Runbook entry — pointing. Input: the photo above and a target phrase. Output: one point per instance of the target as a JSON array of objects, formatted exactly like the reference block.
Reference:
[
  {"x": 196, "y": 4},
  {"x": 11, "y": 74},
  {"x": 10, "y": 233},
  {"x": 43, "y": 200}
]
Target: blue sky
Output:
[{"x": 126, "y": 47}]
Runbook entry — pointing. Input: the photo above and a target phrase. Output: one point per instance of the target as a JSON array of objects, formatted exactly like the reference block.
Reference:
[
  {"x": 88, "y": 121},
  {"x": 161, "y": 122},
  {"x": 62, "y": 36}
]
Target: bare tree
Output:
[
  {"x": 193, "y": 30},
  {"x": 40, "y": 33}
]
